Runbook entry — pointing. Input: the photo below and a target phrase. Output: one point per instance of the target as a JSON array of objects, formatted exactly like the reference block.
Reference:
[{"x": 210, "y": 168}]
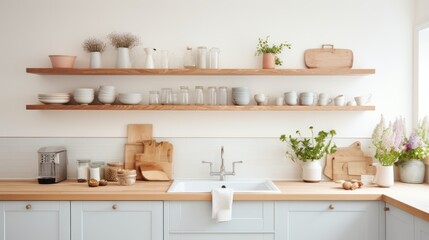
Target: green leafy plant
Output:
[
  {"x": 123, "y": 40},
  {"x": 93, "y": 45},
  {"x": 264, "y": 47},
  {"x": 310, "y": 149}
]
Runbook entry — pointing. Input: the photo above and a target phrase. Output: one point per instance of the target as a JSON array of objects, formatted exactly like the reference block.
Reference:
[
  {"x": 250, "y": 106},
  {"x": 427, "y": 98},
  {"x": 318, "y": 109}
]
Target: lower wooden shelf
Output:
[{"x": 199, "y": 108}]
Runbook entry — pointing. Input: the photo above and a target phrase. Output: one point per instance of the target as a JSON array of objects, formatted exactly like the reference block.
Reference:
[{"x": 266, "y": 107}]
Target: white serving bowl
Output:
[
  {"x": 83, "y": 100},
  {"x": 106, "y": 99},
  {"x": 130, "y": 98}
]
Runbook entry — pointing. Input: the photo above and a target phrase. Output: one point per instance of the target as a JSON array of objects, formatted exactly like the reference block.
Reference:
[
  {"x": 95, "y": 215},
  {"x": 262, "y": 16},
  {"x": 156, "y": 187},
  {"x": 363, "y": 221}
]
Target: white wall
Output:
[
  {"x": 422, "y": 12},
  {"x": 378, "y": 32}
]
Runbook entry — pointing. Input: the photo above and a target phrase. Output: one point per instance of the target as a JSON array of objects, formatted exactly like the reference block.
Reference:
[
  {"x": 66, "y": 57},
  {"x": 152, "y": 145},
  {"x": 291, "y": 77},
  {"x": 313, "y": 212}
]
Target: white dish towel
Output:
[{"x": 222, "y": 204}]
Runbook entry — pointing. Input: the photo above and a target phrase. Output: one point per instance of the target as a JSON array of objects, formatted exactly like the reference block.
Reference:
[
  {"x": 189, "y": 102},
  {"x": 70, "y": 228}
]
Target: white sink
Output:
[{"x": 248, "y": 186}]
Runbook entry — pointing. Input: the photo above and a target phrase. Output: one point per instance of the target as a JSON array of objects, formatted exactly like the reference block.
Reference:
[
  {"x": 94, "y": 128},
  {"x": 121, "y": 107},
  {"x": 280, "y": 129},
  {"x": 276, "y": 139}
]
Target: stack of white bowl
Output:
[
  {"x": 240, "y": 95},
  {"x": 106, "y": 94},
  {"x": 130, "y": 98},
  {"x": 54, "y": 98},
  {"x": 83, "y": 96}
]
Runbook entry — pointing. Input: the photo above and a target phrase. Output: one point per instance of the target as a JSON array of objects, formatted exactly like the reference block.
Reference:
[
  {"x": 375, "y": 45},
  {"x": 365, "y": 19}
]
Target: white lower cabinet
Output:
[
  {"x": 110, "y": 220},
  {"x": 44, "y": 220},
  {"x": 401, "y": 225},
  {"x": 192, "y": 220},
  {"x": 326, "y": 220}
]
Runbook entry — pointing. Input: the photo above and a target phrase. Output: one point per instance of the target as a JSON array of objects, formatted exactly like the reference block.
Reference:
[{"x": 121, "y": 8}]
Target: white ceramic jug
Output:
[
  {"x": 384, "y": 176},
  {"x": 123, "y": 58},
  {"x": 149, "y": 58}
]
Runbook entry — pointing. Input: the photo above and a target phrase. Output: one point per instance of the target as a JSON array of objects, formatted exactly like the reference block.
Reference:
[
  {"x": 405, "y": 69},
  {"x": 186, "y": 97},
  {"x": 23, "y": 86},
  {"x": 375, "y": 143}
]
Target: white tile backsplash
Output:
[{"x": 262, "y": 157}]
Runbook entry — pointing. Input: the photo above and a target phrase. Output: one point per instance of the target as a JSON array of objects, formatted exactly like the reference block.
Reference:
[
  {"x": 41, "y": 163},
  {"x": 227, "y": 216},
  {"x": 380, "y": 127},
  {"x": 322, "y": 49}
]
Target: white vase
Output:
[
  {"x": 149, "y": 58},
  {"x": 412, "y": 171},
  {"x": 123, "y": 58},
  {"x": 384, "y": 176},
  {"x": 311, "y": 171},
  {"x": 95, "y": 60}
]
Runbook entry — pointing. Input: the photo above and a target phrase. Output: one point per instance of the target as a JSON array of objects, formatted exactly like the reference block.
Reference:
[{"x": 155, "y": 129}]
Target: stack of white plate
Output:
[
  {"x": 241, "y": 95},
  {"x": 54, "y": 98},
  {"x": 106, "y": 94},
  {"x": 130, "y": 98},
  {"x": 83, "y": 96}
]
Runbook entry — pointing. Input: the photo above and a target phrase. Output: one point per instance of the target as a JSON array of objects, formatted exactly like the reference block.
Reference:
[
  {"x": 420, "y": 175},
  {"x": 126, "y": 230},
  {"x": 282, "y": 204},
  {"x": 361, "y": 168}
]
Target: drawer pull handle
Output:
[
  {"x": 28, "y": 206},
  {"x": 386, "y": 209},
  {"x": 114, "y": 207},
  {"x": 331, "y": 207}
]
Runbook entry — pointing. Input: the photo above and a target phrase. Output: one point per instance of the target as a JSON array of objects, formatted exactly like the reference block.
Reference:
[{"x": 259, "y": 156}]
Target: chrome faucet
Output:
[{"x": 222, "y": 172}]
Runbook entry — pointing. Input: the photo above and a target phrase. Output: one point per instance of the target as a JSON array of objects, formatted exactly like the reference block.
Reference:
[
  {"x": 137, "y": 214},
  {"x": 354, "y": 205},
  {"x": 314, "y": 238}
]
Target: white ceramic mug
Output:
[
  {"x": 340, "y": 100},
  {"x": 291, "y": 98},
  {"x": 324, "y": 99},
  {"x": 307, "y": 98},
  {"x": 362, "y": 100},
  {"x": 280, "y": 101}
]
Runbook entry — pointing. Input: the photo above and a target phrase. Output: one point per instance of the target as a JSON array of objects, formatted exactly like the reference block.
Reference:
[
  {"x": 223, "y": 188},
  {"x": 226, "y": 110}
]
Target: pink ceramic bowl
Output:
[{"x": 62, "y": 61}]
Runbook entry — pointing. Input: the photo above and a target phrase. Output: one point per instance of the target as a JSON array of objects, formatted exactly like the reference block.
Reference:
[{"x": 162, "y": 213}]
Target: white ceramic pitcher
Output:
[
  {"x": 149, "y": 58},
  {"x": 384, "y": 176}
]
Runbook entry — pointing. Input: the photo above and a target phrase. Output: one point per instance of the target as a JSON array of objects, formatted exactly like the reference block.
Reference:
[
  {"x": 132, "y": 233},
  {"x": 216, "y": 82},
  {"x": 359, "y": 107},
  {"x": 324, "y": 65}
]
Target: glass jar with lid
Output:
[
  {"x": 112, "y": 171},
  {"x": 102, "y": 166},
  {"x": 184, "y": 95},
  {"x": 94, "y": 171},
  {"x": 199, "y": 95},
  {"x": 211, "y": 96},
  {"x": 82, "y": 170},
  {"x": 223, "y": 96}
]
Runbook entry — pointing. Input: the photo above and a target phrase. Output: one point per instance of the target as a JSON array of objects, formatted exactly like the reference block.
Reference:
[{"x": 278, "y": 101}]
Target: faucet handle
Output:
[
  {"x": 207, "y": 162},
  {"x": 233, "y": 166}
]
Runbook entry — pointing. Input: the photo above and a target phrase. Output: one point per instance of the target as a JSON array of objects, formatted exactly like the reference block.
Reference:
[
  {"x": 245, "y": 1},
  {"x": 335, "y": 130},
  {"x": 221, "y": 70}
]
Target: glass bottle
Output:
[
  {"x": 184, "y": 95},
  {"x": 223, "y": 96},
  {"x": 94, "y": 171},
  {"x": 189, "y": 59},
  {"x": 82, "y": 170},
  {"x": 202, "y": 58},
  {"x": 214, "y": 58},
  {"x": 153, "y": 97},
  {"x": 199, "y": 95},
  {"x": 211, "y": 96},
  {"x": 166, "y": 96}
]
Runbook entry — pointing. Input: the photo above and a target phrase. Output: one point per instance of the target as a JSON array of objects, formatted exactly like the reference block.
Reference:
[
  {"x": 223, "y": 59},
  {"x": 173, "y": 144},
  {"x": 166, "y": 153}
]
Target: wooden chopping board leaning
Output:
[
  {"x": 348, "y": 163},
  {"x": 328, "y": 57}
]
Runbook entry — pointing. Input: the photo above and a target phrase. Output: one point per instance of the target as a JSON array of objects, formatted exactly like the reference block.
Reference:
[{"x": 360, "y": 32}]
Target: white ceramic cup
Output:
[
  {"x": 340, "y": 100},
  {"x": 362, "y": 100},
  {"x": 260, "y": 98},
  {"x": 291, "y": 98},
  {"x": 324, "y": 99},
  {"x": 280, "y": 101},
  {"x": 351, "y": 103},
  {"x": 307, "y": 98}
]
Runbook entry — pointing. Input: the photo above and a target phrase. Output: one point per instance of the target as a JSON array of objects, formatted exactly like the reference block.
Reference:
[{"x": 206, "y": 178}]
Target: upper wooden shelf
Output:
[
  {"x": 199, "y": 108},
  {"x": 140, "y": 71}
]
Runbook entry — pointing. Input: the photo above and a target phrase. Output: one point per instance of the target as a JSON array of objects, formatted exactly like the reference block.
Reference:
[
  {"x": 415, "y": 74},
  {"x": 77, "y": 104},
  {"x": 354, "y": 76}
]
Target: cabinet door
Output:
[
  {"x": 192, "y": 220},
  {"x": 110, "y": 220},
  {"x": 421, "y": 229},
  {"x": 322, "y": 220},
  {"x": 47, "y": 220},
  {"x": 399, "y": 224}
]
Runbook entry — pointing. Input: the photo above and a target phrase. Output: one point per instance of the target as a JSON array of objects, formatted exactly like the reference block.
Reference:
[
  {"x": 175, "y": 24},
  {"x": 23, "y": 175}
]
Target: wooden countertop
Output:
[{"x": 413, "y": 198}]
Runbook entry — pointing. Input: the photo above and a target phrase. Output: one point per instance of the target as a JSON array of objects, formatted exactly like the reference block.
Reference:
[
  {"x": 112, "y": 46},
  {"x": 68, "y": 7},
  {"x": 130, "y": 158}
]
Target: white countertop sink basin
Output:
[{"x": 244, "y": 186}]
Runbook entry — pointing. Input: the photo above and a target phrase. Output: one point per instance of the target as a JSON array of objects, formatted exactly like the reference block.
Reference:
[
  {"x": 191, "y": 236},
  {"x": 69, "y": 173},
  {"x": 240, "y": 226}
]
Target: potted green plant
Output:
[
  {"x": 94, "y": 47},
  {"x": 123, "y": 42},
  {"x": 269, "y": 53},
  {"x": 388, "y": 142},
  {"x": 310, "y": 151},
  {"x": 415, "y": 150}
]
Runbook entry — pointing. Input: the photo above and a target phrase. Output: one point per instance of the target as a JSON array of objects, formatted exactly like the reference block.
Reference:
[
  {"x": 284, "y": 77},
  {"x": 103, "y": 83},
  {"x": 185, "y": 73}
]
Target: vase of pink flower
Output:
[{"x": 416, "y": 149}]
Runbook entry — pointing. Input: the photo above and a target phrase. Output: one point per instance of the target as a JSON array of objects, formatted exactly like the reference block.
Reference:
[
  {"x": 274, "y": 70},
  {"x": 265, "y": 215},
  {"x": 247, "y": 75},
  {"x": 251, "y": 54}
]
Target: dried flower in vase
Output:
[
  {"x": 94, "y": 45},
  {"x": 123, "y": 40}
]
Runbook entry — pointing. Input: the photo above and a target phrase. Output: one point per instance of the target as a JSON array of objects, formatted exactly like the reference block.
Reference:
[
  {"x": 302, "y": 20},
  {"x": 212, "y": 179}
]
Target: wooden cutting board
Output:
[
  {"x": 353, "y": 150},
  {"x": 137, "y": 133},
  {"x": 160, "y": 153},
  {"x": 328, "y": 57}
]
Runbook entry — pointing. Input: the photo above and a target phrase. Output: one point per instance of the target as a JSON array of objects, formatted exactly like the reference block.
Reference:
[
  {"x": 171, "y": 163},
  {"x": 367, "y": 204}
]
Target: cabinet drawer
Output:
[{"x": 196, "y": 216}]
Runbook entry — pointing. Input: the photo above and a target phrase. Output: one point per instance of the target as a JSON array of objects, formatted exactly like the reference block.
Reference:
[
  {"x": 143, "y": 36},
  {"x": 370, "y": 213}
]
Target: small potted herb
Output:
[
  {"x": 310, "y": 151},
  {"x": 123, "y": 42},
  {"x": 269, "y": 53},
  {"x": 94, "y": 47}
]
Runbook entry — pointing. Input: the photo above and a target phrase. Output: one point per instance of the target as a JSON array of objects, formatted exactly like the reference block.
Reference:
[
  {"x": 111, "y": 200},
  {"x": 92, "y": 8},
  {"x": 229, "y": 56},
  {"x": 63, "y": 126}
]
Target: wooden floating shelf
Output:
[
  {"x": 140, "y": 71},
  {"x": 199, "y": 108}
]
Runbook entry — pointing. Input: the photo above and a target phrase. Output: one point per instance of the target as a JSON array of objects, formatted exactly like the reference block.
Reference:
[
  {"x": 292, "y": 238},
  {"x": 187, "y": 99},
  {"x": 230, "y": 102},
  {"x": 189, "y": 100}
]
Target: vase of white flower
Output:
[{"x": 388, "y": 145}]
